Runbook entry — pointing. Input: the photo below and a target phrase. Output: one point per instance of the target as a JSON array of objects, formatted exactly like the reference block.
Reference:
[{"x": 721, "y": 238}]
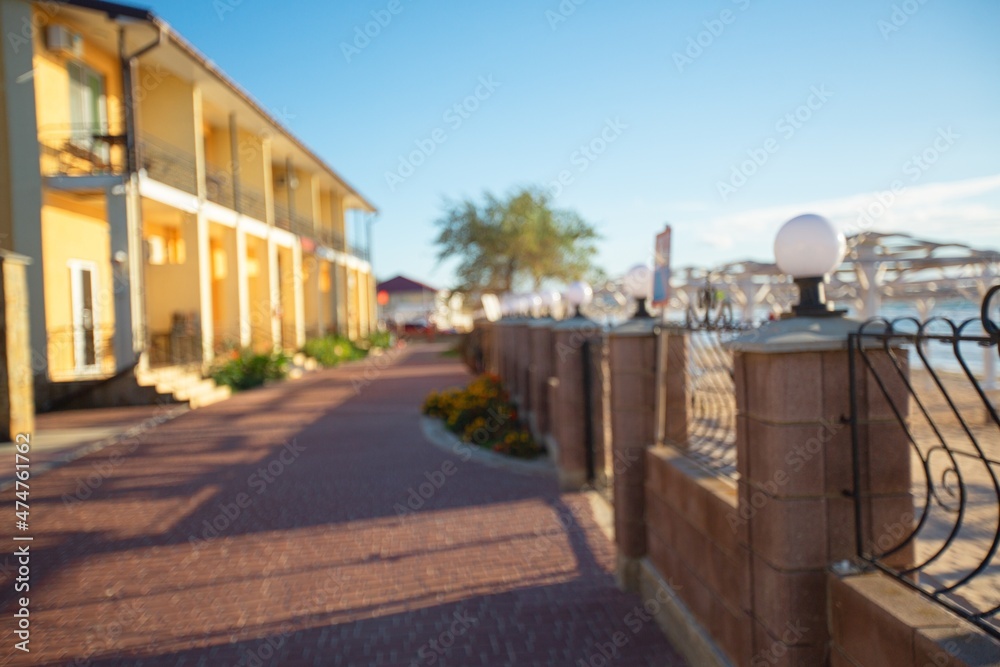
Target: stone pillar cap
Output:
[
  {"x": 16, "y": 258},
  {"x": 577, "y": 323},
  {"x": 641, "y": 326},
  {"x": 800, "y": 334}
]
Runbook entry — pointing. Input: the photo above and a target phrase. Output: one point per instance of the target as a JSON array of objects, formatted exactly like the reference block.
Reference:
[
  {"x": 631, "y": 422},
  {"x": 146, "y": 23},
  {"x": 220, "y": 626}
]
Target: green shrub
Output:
[
  {"x": 246, "y": 369},
  {"x": 332, "y": 350}
]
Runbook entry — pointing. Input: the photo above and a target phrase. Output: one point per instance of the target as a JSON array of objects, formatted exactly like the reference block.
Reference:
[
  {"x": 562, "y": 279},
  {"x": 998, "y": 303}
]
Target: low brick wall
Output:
[
  {"x": 876, "y": 621},
  {"x": 697, "y": 550}
]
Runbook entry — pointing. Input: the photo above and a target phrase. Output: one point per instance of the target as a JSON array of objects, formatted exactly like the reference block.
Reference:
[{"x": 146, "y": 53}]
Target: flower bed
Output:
[{"x": 482, "y": 414}]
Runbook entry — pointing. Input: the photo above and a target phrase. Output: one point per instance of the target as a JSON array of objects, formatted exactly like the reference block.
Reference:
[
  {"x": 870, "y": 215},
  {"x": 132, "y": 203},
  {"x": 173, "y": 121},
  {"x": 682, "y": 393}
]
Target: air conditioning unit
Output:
[{"x": 61, "y": 39}]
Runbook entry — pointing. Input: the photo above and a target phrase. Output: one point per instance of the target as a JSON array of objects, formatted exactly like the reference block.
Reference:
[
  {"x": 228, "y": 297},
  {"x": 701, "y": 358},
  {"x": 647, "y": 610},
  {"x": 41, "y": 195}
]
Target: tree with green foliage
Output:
[{"x": 520, "y": 239}]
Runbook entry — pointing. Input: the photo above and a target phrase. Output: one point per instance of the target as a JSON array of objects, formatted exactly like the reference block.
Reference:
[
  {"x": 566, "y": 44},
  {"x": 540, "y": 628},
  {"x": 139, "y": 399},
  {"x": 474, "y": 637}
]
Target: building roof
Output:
[
  {"x": 402, "y": 284},
  {"x": 115, "y": 10}
]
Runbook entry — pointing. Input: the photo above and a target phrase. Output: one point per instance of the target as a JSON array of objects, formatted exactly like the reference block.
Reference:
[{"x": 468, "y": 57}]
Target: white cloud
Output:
[{"x": 932, "y": 209}]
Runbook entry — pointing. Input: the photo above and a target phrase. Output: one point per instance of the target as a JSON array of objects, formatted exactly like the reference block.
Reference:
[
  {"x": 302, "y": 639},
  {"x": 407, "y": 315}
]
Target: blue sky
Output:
[{"x": 788, "y": 107}]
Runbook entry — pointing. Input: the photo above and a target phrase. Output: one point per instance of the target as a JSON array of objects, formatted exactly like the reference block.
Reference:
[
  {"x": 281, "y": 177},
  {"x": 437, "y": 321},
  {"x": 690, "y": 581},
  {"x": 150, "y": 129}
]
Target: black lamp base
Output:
[
  {"x": 641, "y": 312},
  {"x": 812, "y": 299}
]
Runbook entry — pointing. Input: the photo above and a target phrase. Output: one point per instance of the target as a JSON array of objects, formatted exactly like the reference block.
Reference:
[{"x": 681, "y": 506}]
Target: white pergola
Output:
[{"x": 879, "y": 268}]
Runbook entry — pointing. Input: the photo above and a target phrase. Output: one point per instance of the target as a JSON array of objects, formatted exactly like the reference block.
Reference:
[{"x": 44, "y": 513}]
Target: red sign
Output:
[{"x": 383, "y": 298}]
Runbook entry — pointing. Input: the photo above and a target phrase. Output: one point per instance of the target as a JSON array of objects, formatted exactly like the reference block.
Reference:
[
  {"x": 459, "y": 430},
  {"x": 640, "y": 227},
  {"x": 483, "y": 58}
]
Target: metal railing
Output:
[
  {"x": 945, "y": 537},
  {"x": 251, "y": 202},
  {"x": 359, "y": 252},
  {"x": 168, "y": 164},
  {"x": 220, "y": 186},
  {"x": 81, "y": 151},
  {"x": 282, "y": 216},
  {"x": 710, "y": 388},
  {"x": 331, "y": 238}
]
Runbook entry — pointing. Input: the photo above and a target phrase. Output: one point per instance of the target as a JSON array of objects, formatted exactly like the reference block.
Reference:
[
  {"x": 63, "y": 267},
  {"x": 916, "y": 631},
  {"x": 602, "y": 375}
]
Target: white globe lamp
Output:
[
  {"x": 578, "y": 295},
  {"x": 639, "y": 286},
  {"x": 808, "y": 248}
]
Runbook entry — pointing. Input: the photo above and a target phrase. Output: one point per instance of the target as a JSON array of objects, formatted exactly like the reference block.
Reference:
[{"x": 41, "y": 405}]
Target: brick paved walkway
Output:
[{"x": 262, "y": 531}]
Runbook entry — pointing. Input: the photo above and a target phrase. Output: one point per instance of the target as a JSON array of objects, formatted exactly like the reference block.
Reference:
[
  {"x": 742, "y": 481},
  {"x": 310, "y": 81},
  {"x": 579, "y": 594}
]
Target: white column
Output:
[
  {"x": 243, "y": 285},
  {"x": 274, "y": 286},
  {"x": 205, "y": 289},
  {"x": 298, "y": 294}
]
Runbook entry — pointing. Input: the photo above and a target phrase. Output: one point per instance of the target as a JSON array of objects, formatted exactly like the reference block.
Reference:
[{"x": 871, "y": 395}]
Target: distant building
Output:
[{"x": 403, "y": 300}]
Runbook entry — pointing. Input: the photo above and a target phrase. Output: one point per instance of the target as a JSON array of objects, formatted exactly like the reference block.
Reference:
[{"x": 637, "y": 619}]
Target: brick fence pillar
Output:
[
  {"x": 633, "y": 350},
  {"x": 540, "y": 368},
  {"x": 568, "y": 411},
  {"x": 795, "y": 464},
  {"x": 17, "y": 397}
]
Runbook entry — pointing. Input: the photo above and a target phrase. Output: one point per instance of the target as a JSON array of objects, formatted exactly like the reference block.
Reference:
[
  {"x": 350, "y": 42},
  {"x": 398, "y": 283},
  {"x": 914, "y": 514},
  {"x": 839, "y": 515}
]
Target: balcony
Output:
[
  {"x": 359, "y": 252},
  {"x": 293, "y": 221},
  {"x": 168, "y": 164},
  {"x": 330, "y": 238},
  {"x": 220, "y": 186},
  {"x": 66, "y": 151},
  {"x": 250, "y": 202}
]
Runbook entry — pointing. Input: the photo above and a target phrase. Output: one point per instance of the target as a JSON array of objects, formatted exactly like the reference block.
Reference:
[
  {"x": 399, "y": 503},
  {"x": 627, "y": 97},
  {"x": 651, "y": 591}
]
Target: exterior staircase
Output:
[{"x": 185, "y": 385}]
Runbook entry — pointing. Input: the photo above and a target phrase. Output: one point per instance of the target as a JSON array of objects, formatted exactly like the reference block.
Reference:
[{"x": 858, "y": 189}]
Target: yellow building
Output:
[{"x": 169, "y": 215}]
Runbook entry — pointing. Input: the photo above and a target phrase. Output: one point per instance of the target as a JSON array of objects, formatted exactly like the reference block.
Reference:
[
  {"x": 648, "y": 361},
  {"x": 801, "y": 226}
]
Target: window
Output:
[{"x": 87, "y": 105}]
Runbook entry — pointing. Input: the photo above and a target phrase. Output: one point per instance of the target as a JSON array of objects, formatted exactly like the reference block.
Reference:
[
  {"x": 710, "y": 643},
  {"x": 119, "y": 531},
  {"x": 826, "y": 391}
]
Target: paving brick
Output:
[{"x": 281, "y": 524}]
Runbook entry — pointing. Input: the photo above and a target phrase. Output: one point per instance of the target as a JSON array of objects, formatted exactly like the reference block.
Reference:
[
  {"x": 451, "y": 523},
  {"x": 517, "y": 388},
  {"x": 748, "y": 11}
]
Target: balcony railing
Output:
[
  {"x": 220, "y": 186},
  {"x": 251, "y": 202},
  {"x": 168, "y": 164},
  {"x": 180, "y": 345},
  {"x": 80, "y": 352},
  {"x": 330, "y": 238},
  {"x": 68, "y": 151},
  {"x": 282, "y": 216},
  {"x": 360, "y": 252}
]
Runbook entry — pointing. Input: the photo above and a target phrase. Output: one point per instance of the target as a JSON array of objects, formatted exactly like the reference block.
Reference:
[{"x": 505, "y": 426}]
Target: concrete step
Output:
[
  {"x": 216, "y": 395},
  {"x": 183, "y": 385}
]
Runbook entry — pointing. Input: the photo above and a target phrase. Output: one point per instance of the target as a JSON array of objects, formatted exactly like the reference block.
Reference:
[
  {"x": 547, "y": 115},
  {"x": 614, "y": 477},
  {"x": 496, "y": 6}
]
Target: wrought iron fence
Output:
[
  {"x": 168, "y": 164},
  {"x": 927, "y": 382},
  {"x": 710, "y": 389}
]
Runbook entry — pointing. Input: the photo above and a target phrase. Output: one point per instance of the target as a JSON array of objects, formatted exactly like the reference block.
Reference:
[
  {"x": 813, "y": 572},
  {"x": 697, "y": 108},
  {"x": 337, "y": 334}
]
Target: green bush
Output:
[
  {"x": 246, "y": 369},
  {"x": 332, "y": 350},
  {"x": 381, "y": 340}
]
